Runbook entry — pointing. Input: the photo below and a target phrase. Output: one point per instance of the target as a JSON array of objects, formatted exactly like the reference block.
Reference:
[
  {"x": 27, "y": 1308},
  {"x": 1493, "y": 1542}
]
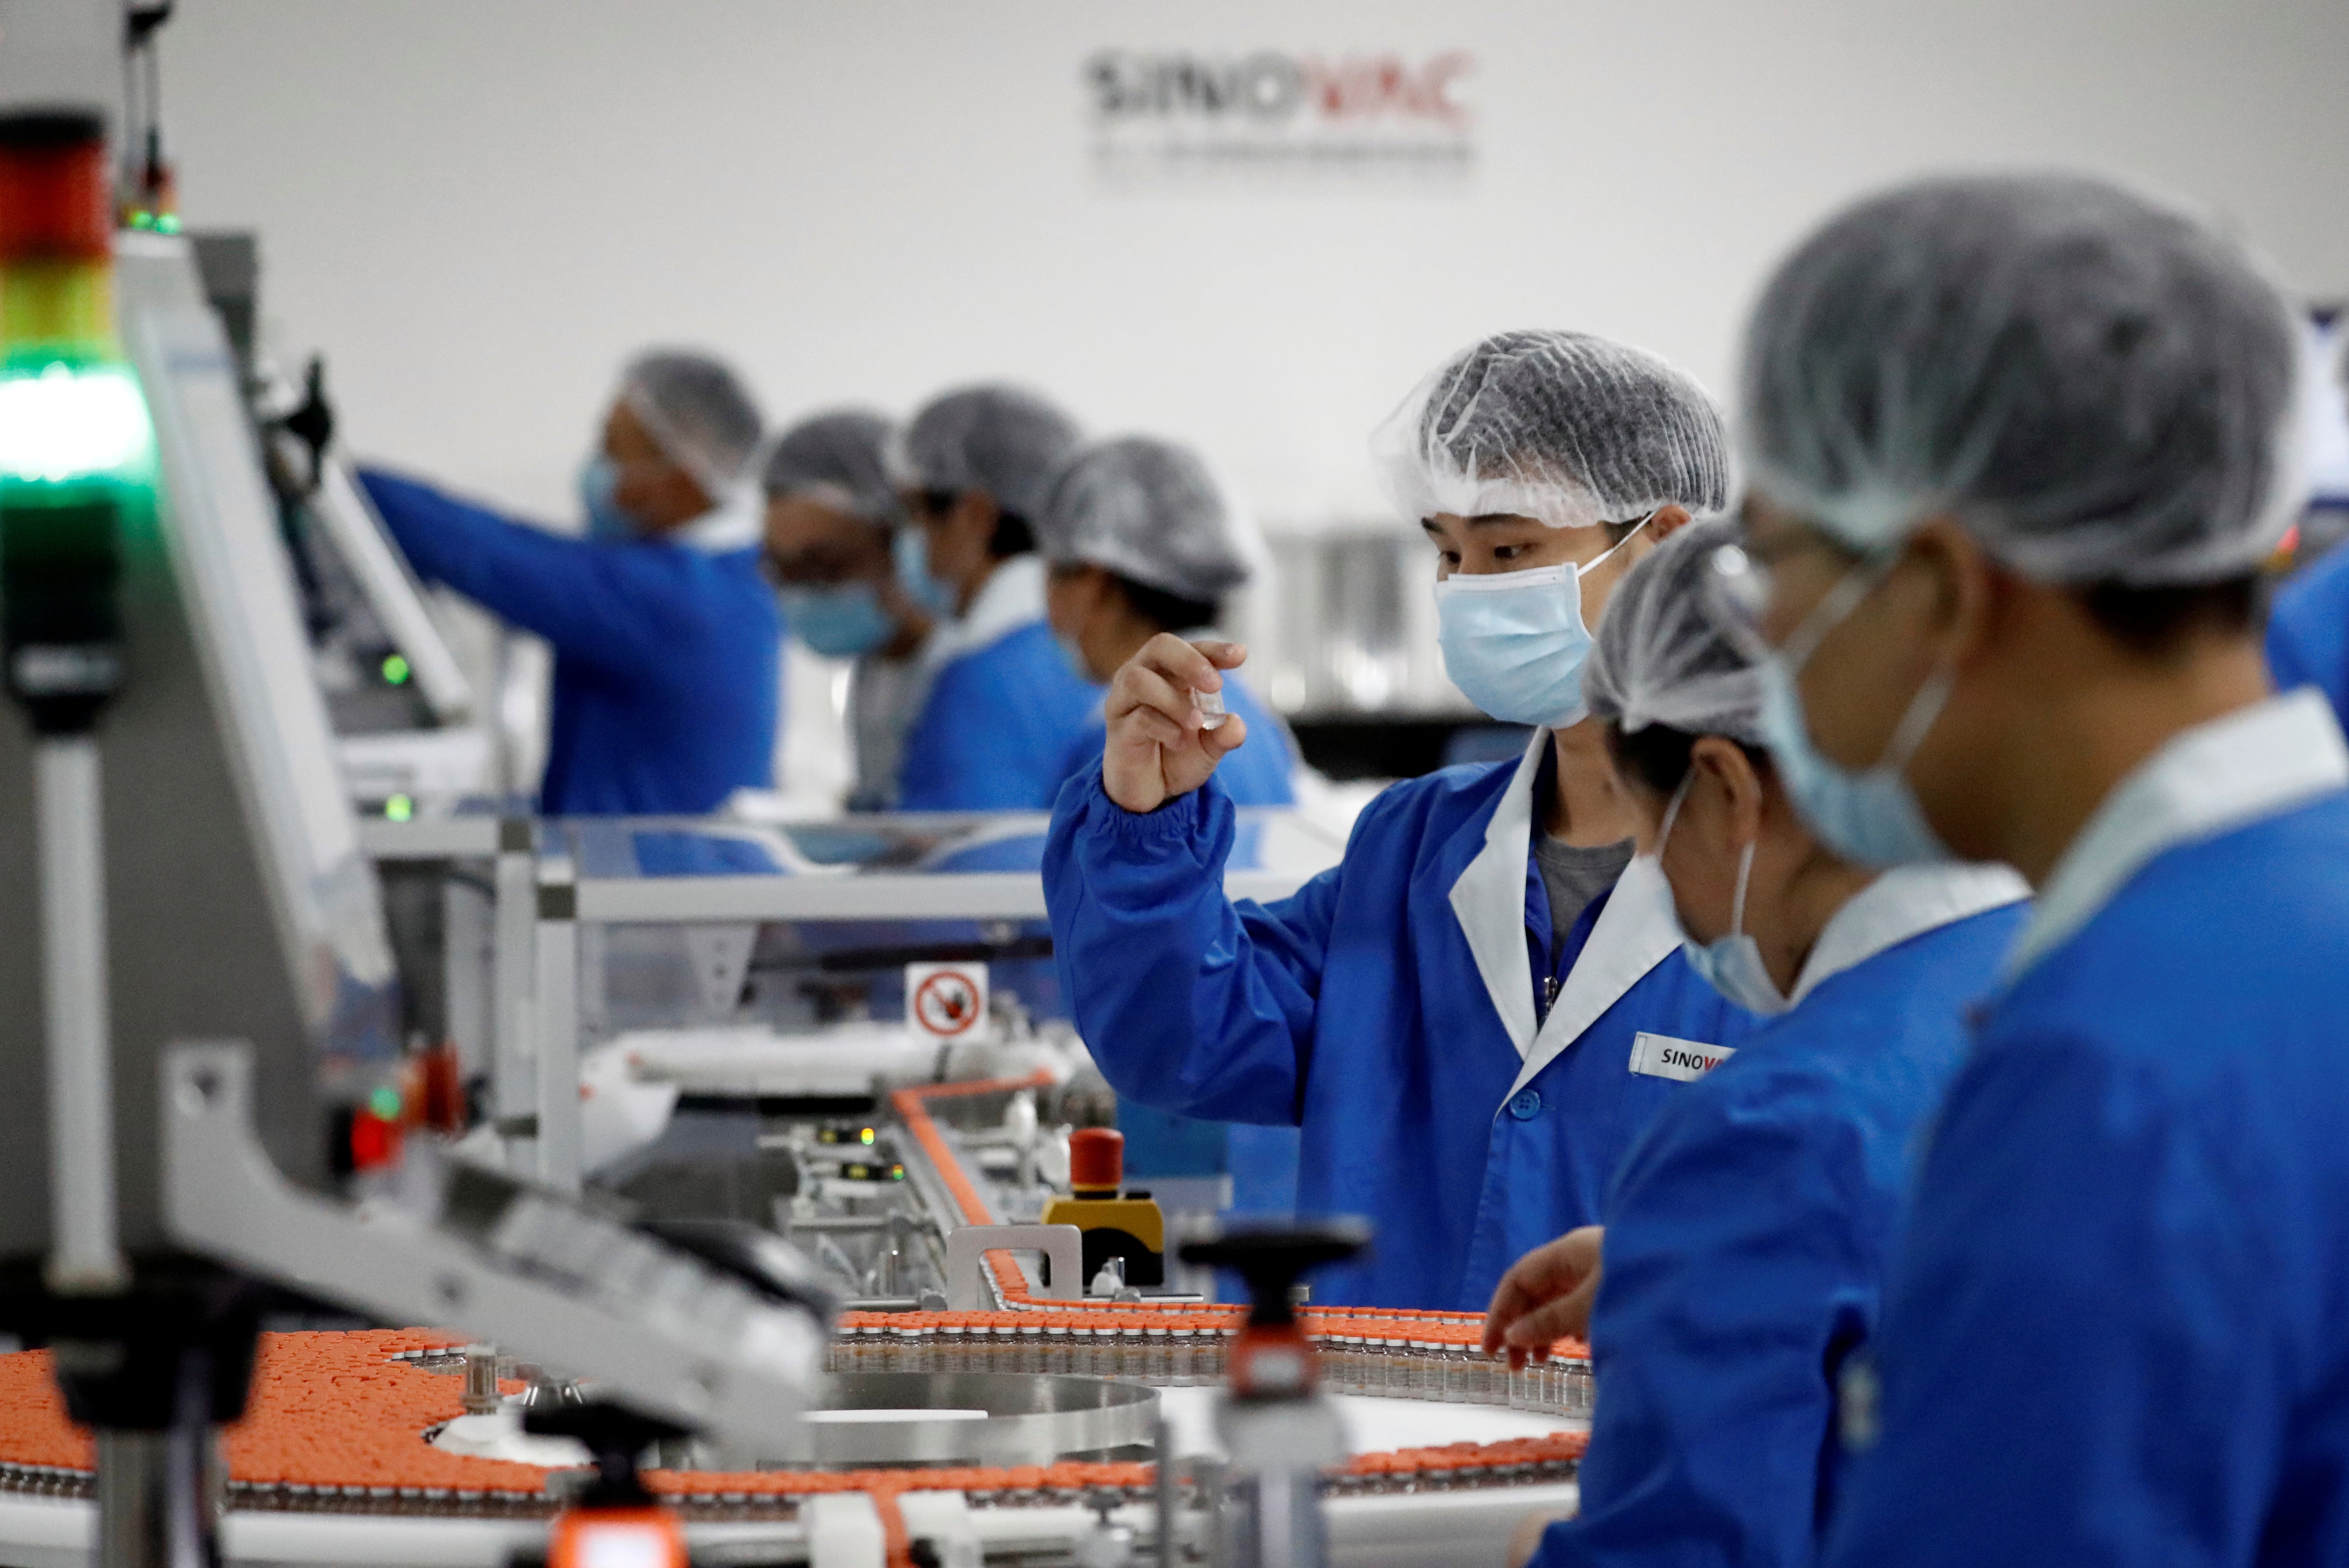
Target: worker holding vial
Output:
[
  {"x": 1747, "y": 1232},
  {"x": 1140, "y": 540},
  {"x": 1002, "y": 708},
  {"x": 834, "y": 528},
  {"x": 2019, "y": 446},
  {"x": 665, "y": 635},
  {"x": 1459, "y": 1014}
]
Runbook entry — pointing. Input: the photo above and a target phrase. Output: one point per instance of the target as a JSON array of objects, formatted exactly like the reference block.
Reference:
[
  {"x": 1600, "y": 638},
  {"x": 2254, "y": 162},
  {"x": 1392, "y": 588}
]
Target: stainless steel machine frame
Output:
[
  {"x": 239, "y": 911},
  {"x": 547, "y": 912},
  {"x": 660, "y": 1330},
  {"x": 1032, "y": 1418}
]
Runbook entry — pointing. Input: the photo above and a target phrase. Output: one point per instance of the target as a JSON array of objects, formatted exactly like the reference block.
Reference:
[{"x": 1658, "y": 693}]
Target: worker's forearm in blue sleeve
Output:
[
  {"x": 1189, "y": 1003},
  {"x": 2078, "y": 1362},
  {"x": 564, "y": 590}
]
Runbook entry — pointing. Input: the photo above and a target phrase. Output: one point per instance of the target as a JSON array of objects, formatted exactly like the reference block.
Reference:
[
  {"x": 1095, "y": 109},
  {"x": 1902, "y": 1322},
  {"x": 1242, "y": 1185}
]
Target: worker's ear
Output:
[
  {"x": 1722, "y": 764},
  {"x": 1966, "y": 597},
  {"x": 1667, "y": 522}
]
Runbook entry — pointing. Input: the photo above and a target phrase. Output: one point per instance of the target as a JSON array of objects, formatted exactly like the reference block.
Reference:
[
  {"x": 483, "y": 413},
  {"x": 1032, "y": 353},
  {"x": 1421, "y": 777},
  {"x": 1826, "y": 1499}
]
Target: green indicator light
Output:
[
  {"x": 896, "y": 1174},
  {"x": 68, "y": 423},
  {"x": 865, "y": 1137},
  {"x": 169, "y": 224},
  {"x": 395, "y": 670},
  {"x": 399, "y": 808},
  {"x": 385, "y": 1103}
]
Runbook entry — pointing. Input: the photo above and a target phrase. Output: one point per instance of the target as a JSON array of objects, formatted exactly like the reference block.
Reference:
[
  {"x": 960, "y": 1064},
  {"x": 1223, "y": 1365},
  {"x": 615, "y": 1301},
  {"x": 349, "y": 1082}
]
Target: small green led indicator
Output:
[
  {"x": 865, "y": 1137},
  {"x": 169, "y": 224},
  {"x": 399, "y": 808},
  {"x": 385, "y": 1103},
  {"x": 896, "y": 1174},
  {"x": 395, "y": 670}
]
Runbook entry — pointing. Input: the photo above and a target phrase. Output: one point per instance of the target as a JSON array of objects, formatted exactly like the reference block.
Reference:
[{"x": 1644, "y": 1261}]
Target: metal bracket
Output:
[
  {"x": 545, "y": 1278},
  {"x": 513, "y": 1087},
  {"x": 966, "y": 1250},
  {"x": 720, "y": 955}
]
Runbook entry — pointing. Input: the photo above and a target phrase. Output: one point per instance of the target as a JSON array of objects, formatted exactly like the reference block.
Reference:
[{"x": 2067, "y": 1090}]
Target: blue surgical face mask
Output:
[
  {"x": 844, "y": 620},
  {"x": 1514, "y": 641},
  {"x": 912, "y": 549},
  {"x": 1731, "y": 964},
  {"x": 1869, "y": 815},
  {"x": 599, "y": 479}
]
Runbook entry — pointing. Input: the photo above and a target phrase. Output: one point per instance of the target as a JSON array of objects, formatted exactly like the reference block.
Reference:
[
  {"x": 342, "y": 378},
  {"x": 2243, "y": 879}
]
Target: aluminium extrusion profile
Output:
[{"x": 555, "y": 1019}]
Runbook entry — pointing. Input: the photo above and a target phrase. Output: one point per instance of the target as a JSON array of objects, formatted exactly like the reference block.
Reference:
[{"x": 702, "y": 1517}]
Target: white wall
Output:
[{"x": 477, "y": 207}]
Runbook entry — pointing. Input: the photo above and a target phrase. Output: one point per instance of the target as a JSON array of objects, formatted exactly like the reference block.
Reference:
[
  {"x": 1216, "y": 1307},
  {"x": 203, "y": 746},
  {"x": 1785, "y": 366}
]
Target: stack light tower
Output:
[{"x": 77, "y": 488}]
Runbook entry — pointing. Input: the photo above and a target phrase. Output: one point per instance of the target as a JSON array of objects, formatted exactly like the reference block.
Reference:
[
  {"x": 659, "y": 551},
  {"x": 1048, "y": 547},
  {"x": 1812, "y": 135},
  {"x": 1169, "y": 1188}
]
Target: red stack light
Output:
[{"x": 53, "y": 188}]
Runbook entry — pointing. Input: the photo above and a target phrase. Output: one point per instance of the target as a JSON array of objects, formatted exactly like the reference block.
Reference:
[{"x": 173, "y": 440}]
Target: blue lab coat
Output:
[
  {"x": 2119, "y": 1328},
  {"x": 1360, "y": 1010},
  {"x": 665, "y": 699},
  {"x": 2308, "y": 630},
  {"x": 996, "y": 727},
  {"x": 1748, "y": 1239}
]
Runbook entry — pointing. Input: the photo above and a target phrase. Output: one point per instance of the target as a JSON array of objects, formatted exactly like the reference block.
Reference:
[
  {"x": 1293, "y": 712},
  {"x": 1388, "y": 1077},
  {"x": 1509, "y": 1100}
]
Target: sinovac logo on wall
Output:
[{"x": 1172, "y": 114}]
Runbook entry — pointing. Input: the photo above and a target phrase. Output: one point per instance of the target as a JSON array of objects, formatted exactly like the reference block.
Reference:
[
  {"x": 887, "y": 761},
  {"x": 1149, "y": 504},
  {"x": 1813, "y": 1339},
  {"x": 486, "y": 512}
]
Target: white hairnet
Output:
[
  {"x": 1660, "y": 659},
  {"x": 1005, "y": 442},
  {"x": 697, "y": 412},
  {"x": 1560, "y": 426},
  {"x": 1149, "y": 510},
  {"x": 2099, "y": 386},
  {"x": 837, "y": 457}
]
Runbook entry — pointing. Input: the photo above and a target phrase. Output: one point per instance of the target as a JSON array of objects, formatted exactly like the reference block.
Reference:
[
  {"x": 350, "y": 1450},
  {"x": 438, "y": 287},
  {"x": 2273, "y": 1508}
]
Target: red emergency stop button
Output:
[{"x": 1096, "y": 1160}]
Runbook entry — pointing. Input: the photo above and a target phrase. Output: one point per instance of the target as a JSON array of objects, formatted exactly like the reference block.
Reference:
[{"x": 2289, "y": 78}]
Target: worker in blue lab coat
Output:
[
  {"x": 1003, "y": 707},
  {"x": 664, "y": 635},
  {"x": 1747, "y": 1234},
  {"x": 2018, "y": 451},
  {"x": 835, "y": 527},
  {"x": 1457, "y": 1013},
  {"x": 1138, "y": 540}
]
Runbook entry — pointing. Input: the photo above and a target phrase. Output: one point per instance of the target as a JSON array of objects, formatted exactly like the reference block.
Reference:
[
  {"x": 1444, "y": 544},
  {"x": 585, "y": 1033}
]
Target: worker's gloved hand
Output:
[
  {"x": 1545, "y": 1297},
  {"x": 1160, "y": 744}
]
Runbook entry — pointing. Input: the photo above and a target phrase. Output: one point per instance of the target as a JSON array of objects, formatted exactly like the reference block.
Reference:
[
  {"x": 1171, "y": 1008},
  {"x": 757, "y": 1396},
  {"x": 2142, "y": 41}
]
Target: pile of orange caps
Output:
[
  {"x": 1411, "y": 1331},
  {"x": 344, "y": 1415}
]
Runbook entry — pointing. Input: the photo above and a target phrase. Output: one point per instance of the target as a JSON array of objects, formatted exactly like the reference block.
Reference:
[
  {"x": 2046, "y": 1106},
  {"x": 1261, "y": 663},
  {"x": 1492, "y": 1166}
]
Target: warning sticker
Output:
[{"x": 946, "y": 1001}]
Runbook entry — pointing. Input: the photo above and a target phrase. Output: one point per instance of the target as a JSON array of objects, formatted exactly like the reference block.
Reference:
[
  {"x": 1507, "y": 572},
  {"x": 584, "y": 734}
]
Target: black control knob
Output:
[
  {"x": 615, "y": 1435},
  {"x": 1272, "y": 1256}
]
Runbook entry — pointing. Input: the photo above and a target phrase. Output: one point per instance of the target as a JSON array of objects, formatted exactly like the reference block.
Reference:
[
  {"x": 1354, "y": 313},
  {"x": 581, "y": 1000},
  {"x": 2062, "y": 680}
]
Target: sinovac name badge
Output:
[{"x": 1662, "y": 1055}]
